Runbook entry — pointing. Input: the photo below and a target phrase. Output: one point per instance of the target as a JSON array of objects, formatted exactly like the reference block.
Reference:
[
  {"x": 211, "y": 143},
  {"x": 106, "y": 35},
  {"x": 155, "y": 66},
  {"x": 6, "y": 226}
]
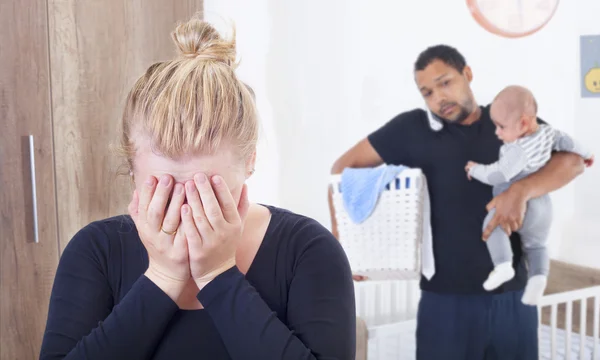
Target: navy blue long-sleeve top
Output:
[{"x": 296, "y": 300}]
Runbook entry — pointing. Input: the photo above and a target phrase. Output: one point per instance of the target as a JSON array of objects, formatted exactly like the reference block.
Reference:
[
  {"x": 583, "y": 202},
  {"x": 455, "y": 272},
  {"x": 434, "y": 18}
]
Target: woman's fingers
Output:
[
  {"x": 145, "y": 197},
  {"x": 196, "y": 207},
  {"x": 210, "y": 204},
  {"x": 211, "y": 237},
  {"x": 158, "y": 204},
  {"x": 180, "y": 241},
  {"x": 227, "y": 204},
  {"x": 173, "y": 215},
  {"x": 159, "y": 229},
  {"x": 188, "y": 224}
]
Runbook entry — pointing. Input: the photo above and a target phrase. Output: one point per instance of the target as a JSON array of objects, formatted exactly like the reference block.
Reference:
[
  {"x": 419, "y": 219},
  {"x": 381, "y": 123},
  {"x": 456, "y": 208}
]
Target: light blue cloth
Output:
[{"x": 361, "y": 189}]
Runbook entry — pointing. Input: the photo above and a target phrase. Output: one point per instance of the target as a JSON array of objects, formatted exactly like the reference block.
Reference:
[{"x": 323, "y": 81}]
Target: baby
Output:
[{"x": 527, "y": 147}]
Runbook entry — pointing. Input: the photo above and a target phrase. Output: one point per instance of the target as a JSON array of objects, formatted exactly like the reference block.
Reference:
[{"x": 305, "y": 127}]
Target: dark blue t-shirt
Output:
[
  {"x": 458, "y": 206},
  {"x": 295, "y": 302}
]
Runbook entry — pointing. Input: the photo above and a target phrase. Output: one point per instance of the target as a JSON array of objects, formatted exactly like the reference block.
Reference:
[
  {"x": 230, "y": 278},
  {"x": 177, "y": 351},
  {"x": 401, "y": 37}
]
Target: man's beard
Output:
[{"x": 461, "y": 117}]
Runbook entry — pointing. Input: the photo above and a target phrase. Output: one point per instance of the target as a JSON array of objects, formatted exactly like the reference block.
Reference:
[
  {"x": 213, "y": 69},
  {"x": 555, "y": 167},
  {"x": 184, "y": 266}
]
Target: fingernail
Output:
[
  {"x": 178, "y": 189},
  {"x": 165, "y": 180},
  {"x": 150, "y": 181},
  {"x": 216, "y": 179},
  {"x": 185, "y": 209},
  {"x": 200, "y": 178}
]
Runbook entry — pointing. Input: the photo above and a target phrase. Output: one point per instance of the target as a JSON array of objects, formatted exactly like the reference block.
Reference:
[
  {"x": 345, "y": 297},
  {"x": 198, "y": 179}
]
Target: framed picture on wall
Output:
[{"x": 590, "y": 65}]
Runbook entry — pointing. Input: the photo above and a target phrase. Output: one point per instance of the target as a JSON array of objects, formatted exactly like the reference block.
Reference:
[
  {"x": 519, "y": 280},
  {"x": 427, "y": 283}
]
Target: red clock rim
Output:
[{"x": 486, "y": 24}]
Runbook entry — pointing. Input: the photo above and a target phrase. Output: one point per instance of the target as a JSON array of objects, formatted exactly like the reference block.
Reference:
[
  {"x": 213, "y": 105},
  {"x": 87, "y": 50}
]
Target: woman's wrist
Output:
[
  {"x": 204, "y": 280},
  {"x": 172, "y": 287}
]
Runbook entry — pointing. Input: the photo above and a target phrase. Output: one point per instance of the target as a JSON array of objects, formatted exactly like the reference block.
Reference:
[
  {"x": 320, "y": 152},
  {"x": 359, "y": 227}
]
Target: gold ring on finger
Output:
[{"x": 168, "y": 232}]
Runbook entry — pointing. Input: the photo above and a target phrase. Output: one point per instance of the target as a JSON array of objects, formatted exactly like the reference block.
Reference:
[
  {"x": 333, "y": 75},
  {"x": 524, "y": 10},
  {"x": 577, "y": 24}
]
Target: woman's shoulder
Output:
[
  {"x": 284, "y": 220},
  {"x": 301, "y": 234},
  {"x": 110, "y": 248},
  {"x": 100, "y": 239},
  {"x": 304, "y": 250},
  {"x": 104, "y": 230}
]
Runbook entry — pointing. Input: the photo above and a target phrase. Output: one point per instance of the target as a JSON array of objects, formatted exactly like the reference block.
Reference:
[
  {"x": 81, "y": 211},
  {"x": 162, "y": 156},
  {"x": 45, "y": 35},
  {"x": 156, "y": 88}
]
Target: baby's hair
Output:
[{"x": 518, "y": 100}]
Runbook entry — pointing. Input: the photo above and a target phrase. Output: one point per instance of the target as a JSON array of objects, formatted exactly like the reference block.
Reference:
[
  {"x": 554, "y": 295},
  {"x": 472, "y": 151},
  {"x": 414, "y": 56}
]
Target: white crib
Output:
[
  {"x": 391, "y": 257},
  {"x": 389, "y": 308},
  {"x": 558, "y": 343}
]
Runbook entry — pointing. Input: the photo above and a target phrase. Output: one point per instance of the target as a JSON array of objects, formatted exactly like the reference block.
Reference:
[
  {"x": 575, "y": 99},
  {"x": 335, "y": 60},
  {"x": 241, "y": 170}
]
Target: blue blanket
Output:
[{"x": 361, "y": 189}]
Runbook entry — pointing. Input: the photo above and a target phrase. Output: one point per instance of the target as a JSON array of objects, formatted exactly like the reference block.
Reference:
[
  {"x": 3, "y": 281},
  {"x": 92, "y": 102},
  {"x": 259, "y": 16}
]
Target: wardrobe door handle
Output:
[{"x": 33, "y": 189}]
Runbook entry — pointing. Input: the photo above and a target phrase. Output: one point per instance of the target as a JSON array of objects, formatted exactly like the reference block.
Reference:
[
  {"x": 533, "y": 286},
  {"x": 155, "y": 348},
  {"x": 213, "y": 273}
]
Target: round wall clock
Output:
[{"x": 512, "y": 18}]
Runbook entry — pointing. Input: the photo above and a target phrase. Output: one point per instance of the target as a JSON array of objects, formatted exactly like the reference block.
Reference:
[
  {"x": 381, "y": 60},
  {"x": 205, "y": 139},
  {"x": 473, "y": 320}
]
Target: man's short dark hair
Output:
[{"x": 449, "y": 55}]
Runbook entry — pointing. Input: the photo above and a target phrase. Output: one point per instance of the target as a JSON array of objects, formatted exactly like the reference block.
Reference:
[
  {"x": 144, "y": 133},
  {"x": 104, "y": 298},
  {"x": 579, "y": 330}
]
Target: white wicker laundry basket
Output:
[{"x": 387, "y": 245}]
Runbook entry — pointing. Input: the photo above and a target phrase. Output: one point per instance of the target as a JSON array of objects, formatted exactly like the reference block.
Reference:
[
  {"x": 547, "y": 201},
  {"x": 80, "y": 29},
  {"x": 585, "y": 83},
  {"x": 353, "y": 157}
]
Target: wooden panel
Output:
[
  {"x": 27, "y": 268},
  {"x": 566, "y": 277},
  {"x": 98, "y": 49}
]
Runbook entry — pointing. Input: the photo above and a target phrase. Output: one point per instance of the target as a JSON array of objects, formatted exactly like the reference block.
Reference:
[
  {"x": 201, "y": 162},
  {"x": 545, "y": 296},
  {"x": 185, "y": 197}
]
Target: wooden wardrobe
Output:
[{"x": 65, "y": 69}]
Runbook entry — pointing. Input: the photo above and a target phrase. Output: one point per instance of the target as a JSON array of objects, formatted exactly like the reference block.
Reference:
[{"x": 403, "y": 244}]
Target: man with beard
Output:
[{"x": 457, "y": 318}]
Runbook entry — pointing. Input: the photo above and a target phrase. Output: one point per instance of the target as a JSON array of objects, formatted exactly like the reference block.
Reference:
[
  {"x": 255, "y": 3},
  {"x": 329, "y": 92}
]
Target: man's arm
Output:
[
  {"x": 562, "y": 168},
  {"x": 361, "y": 155},
  {"x": 510, "y": 206},
  {"x": 564, "y": 142}
]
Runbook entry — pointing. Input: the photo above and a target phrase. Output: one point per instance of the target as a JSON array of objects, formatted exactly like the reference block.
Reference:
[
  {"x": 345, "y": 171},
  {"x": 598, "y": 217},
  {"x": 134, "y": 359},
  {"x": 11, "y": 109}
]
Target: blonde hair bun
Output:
[
  {"x": 194, "y": 103},
  {"x": 197, "y": 39}
]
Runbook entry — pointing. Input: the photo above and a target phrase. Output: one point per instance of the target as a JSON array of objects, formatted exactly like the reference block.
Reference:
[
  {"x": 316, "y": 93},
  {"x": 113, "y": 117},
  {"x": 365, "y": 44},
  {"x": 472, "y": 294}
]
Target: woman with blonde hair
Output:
[{"x": 195, "y": 271}]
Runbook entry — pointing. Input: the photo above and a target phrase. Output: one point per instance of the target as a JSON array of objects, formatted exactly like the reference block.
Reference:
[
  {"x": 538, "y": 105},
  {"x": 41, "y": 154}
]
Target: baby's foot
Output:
[
  {"x": 501, "y": 274},
  {"x": 534, "y": 290}
]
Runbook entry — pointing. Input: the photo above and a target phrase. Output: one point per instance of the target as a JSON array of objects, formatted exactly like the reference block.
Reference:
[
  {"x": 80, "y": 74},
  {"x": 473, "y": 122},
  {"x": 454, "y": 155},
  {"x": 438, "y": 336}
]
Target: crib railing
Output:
[
  {"x": 387, "y": 301},
  {"x": 568, "y": 299},
  {"x": 389, "y": 309}
]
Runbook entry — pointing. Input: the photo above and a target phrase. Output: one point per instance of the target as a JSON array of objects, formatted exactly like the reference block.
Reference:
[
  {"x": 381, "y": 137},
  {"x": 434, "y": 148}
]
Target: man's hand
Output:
[
  {"x": 589, "y": 162},
  {"x": 510, "y": 210}
]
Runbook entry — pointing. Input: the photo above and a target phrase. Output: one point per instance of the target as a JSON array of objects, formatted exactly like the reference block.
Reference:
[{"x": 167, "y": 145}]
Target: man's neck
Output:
[{"x": 473, "y": 117}]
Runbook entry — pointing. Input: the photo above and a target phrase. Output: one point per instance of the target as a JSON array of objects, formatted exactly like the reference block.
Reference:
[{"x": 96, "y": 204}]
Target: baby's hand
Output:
[
  {"x": 589, "y": 162},
  {"x": 468, "y": 167}
]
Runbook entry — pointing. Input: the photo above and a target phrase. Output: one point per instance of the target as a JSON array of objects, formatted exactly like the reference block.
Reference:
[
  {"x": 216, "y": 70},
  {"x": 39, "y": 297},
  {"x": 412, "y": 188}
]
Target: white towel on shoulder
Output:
[{"x": 427, "y": 258}]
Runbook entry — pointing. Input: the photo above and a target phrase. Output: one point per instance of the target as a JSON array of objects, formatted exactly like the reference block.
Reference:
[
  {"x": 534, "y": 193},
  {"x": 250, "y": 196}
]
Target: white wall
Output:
[
  {"x": 327, "y": 73},
  {"x": 581, "y": 240},
  {"x": 252, "y": 25}
]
